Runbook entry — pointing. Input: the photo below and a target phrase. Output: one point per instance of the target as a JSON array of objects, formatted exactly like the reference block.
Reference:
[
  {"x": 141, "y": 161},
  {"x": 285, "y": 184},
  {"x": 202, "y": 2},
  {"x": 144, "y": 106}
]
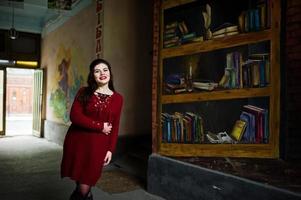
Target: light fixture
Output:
[
  {"x": 13, "y": 34},
  {"x": 27, "y": 63}
]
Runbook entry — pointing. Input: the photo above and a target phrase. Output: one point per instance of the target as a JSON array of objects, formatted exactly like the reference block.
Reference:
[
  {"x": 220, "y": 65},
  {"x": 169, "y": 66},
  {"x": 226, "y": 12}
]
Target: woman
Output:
[{"x": 92, "y": 136}]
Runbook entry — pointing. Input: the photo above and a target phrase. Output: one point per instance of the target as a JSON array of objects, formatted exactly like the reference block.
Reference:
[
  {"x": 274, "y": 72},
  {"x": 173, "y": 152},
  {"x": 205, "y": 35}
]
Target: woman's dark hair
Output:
[{"x": 92, "y": 84}]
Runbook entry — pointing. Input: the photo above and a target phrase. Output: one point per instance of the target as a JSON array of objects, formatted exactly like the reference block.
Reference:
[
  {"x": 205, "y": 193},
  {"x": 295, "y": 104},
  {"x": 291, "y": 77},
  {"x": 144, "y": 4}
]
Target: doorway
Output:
[{"x": 19, "y": 101}]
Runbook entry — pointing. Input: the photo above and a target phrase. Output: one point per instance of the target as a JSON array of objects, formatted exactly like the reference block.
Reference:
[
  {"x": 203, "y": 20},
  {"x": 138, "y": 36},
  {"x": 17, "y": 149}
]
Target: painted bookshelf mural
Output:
[{"x": 218, "y": 90}]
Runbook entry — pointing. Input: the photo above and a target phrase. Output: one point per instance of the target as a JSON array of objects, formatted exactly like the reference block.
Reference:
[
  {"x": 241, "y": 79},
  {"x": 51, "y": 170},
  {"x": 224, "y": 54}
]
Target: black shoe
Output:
[{"x": 76, "y": 195}]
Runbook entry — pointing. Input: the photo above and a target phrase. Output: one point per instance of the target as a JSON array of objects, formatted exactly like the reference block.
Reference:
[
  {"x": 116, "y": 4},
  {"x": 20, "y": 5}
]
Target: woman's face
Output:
[{"x": 102, "y": 74}]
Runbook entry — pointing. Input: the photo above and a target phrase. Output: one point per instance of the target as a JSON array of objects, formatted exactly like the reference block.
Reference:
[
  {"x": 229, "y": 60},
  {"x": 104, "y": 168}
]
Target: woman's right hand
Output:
[{"x": 107, "y": 127}]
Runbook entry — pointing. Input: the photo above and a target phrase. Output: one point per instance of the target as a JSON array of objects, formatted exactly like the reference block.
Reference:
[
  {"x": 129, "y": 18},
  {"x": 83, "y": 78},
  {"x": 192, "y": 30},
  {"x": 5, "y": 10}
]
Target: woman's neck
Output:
[{"x": 104, "y": 89}]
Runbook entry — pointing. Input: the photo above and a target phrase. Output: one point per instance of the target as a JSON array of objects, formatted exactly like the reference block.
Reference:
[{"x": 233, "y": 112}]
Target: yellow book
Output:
[{"x": 238, "y": 129}]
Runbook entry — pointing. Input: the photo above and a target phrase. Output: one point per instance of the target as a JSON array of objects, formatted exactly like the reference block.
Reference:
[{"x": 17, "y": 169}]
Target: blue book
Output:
[
  {"x": 178, "y": 133},
  {"x": 249, "y": 136},
  {"x": 164, "y": 126},
  {"x": 169, "y": 129},
  {"x": 256, "y": 19},
  {"x": 177, "y": 79}
]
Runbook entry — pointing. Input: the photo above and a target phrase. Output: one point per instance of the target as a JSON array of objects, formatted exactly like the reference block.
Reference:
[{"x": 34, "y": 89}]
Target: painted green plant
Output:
[{"x": 58, "y": 102}]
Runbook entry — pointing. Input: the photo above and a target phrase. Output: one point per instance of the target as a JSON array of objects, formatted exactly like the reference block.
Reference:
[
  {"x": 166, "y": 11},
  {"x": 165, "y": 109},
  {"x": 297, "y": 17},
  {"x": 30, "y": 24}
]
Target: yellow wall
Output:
[
  {"x": 66, "y": 54},
  {"x": 127, "y": 46}
]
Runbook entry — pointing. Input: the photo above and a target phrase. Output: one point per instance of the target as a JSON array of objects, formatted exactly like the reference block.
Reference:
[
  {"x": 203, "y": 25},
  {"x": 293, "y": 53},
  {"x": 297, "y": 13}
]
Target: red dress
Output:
[{"x": 85, "y": 145}]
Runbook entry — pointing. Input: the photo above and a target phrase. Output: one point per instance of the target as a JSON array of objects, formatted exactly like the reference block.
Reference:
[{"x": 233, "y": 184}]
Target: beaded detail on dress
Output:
[
  {"x": 102, "y": 96},
  {"x": 103, "y": 100}
]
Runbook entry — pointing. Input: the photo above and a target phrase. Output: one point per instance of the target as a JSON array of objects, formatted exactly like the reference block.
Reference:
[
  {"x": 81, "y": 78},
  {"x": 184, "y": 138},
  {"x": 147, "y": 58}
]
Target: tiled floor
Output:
[{"x": 29, "y": 170}]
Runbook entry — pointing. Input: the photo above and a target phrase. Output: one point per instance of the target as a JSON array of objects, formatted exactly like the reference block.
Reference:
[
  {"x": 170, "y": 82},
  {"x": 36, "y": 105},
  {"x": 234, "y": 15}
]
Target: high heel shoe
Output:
[{"x": 76, "y": 195}]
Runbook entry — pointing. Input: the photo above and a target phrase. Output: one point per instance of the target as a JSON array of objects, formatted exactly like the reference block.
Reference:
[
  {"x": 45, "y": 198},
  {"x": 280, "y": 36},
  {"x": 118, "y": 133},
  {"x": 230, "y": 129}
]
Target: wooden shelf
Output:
[
  {"x": 218, "y": 43},
  {"x": 213, "y": 150},
  {"x": 170, "y": 4},
  {"x": 216, "y": 95}
]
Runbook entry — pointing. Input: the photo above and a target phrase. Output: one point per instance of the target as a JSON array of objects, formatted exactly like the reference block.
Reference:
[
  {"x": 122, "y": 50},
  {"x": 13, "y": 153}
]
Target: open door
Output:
[
  {"x": 2, "y": 101},
  {"x": 37, "y": 102}
]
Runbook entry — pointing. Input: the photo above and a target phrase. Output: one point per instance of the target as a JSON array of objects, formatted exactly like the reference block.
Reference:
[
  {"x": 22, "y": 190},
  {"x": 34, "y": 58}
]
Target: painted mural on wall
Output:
[{"x": 68, "y": 79}]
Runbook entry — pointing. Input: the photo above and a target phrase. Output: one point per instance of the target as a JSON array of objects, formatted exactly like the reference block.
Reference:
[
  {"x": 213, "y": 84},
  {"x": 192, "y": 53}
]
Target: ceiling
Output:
[{"x": 34, "y": 15}]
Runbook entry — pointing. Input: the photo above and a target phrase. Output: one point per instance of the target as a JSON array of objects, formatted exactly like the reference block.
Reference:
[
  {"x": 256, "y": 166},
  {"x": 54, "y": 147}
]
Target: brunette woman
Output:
[{"x": 92, "y": 136}]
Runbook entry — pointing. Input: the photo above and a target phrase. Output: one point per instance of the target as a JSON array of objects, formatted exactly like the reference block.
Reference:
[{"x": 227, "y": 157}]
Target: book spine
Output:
[
  {"x": 268, "y": 13},
  {"x": 262, "y": 73},
  {"x": 256, "y": 20}
]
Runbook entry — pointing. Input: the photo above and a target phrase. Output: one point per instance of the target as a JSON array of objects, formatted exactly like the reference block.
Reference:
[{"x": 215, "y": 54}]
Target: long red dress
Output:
[{"x": 85, "y": 144}]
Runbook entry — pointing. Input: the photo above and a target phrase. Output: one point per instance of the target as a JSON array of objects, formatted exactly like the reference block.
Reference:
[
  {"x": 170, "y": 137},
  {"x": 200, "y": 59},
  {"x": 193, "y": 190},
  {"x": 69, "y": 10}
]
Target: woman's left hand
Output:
[{"x": 108, "y": 158}]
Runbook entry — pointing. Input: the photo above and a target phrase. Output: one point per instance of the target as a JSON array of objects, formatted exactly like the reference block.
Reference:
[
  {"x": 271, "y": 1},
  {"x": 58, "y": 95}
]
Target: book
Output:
[
  {"x": 166, "y": 127},
  {"x": 204, "y": 85},
  {"x": 259, "y": 56},
  {"x": 168, "y": 36},
  {"x": 198, "y": 39},
  {"x": 176, "y": 86},
  {"x": 192, "y": 116},
  {"x": 249, "y": 135},
  {"x": 181, "y": 122},
  {"x": 212, "y": 137},
  {"x": 258, "y": 122},
  {"x": 241, "y": 22},
  {"x": 263, "y": 59},
  {"x": 175, "y": 91},
  {"x": 175, "y": 79},
  {"x": 238, "y": 129},
  {"x": 255, "y": 74},
  {"x": 188, "y": 37},
  {"x": 265, "y": 122},
  {"x": 183, "y": 28},
  {"x": 174, "y": 40},
  {"x": 225, "y": 28},
  {"x": 262, "y": 7},
  {"x": 225, "y": 34},
  {"x": 171, "y": 25},
  {"x": 246, "y": 21},
  {"x": 188, "y": 121},
  {"x": 224, "y": 82},
  {"x": 221, "y": 137}
]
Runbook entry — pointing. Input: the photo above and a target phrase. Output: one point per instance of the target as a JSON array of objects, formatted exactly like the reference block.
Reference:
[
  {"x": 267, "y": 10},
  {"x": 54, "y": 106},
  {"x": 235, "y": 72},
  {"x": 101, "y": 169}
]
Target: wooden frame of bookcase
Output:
[{"x": 270, "y": 150}]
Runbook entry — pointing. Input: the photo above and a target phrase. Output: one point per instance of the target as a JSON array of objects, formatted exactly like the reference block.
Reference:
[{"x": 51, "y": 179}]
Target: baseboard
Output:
[{"x": 177, "y": 180}]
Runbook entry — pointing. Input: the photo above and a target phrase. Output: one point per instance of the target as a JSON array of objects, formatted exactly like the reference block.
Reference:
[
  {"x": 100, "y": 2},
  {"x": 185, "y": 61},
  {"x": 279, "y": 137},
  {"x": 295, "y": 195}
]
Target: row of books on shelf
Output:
[
  {"x": 253, "y": 125},
  {"x": 251, "y": 128},
  {"x": 182, "y": 128},
  {"x": 225, "y": 29},
  {"x": 177, "y": 33},
  {"x": 254, "y": 72},
  {"x": 256, "y": 19}
]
